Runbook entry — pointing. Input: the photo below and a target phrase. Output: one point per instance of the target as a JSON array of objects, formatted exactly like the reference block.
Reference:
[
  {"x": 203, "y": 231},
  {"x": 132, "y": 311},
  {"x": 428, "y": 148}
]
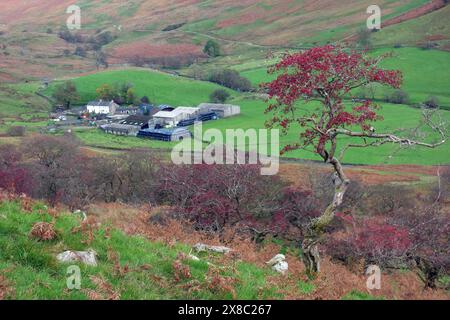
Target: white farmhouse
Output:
[{"x": 102, "y": 107}]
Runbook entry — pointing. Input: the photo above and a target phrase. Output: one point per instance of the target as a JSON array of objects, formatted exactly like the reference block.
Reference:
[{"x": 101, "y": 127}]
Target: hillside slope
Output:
[
  {"x": 151, "y": 262},
  {"x": 31, "y": 47}
]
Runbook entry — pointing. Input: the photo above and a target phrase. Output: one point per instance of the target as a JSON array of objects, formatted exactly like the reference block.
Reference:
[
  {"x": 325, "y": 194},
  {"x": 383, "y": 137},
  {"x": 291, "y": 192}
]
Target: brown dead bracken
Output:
[{"x": 43, "y": 231}]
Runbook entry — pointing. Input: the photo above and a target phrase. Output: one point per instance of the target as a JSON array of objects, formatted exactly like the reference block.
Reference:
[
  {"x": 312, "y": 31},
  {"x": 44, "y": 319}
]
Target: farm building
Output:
[
  {"x": 172, "y": 118},
  {"x": 200, "y": 118},
  {"x": 172, "y": 134},
  {"x": 127, "y": 110},
  {"x": 143, "y": 109},
  {"x": 102, "y": 107},
  {"x": 222, "y": 110},
  {"x": 128, "y": 127}
]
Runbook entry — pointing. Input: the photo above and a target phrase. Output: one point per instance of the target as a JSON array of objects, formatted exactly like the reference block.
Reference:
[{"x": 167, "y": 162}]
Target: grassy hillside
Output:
[
  {"x": 153, "y": 263},
  {"x": 30, "y": 269},
  {"x": 159, "y": 87},
  {"x": 425, "y": 73},
  {"x": 21, "y": 102},
  {"x": 267, "y": 21},
  {"x": 432, "y": 27},
  {"x": 34, "y": 50}
]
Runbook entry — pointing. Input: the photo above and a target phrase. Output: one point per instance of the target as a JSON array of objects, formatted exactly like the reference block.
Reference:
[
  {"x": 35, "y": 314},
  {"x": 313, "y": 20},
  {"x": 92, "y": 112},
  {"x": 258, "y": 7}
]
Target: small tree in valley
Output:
[
  {"x": 66, "y": 94},
  {"x": 105, "y": 92},
  {"x": 219, "y": 96},
  {"x": 101, "y": 60},
  {"x": 212, "y": 48},
  {"x": 326, "y": 75}
]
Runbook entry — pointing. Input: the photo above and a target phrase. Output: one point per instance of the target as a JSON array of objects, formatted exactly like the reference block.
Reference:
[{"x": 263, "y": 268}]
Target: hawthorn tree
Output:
[{"x": 327, "y": 75}]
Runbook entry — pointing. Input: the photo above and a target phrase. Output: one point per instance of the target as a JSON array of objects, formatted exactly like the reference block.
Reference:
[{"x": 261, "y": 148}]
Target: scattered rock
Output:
[
  {"x": 80, "y": 213},
  {"x": 201, "y": 247},
  {"x": 279, "y": 264},
  {"x": 194, "y": 258},
  {"x": 88, "y": 257}
]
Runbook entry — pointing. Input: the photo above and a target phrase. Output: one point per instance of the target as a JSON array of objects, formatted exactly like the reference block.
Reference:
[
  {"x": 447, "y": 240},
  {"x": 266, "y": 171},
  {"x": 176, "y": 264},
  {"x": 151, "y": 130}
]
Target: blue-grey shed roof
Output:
[{"x": 168, "y": 131}]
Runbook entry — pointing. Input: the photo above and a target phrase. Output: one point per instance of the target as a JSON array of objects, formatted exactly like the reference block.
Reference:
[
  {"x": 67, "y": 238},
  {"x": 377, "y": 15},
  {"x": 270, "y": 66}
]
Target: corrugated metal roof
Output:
[
  {"x": 137, "y": 120},
  {"x": 176, "y": 112}
]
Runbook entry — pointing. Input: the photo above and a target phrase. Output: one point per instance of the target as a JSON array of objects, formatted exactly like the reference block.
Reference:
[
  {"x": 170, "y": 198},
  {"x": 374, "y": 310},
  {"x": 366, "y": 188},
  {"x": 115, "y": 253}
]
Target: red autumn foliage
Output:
[
  {"x": 372, "y": 240},
  {"x": 326, "y": 74},
  {"x": 13, "y": 176},
  {"x": 213, "y": 196},
  {"x": 375, "y": 237},
  {"x": 429, "y": 232}
]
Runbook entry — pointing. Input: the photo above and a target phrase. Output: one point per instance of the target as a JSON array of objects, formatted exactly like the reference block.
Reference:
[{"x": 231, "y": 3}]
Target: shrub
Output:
[
  {"x": 431, "y": 102},
  {"x": 145, "y": 99},
  {"x": 104, "y": 38},
  {"x": 137, "y": 61},
  {"x": 376, "y": 242},
  {"x": 429, "y": 230},
  {"x": 173, "y": 27},
  {"x": 16, "y": 131},
  {"x": 399, "y": 97},
  {"x": 215, "y": 196},
  {"x": 363, "y": 38},
  {"x": 70, "y": 37},
  {"x": 219, "y": 96},
  {"x": 80, "y": 51},
  {"x": 57, "y": 166},
  {"x": 174, "y": 62},
  {"x": 297, "y": 208},
  {"x": 428, "y": 45},
  {"x": 212, "y": 48},
  {"x": 231, "y": 79},
  {"x": 131, "y": 178},
  {"x": 66, "y": 94},
  {"x": 14, "y": 177}
]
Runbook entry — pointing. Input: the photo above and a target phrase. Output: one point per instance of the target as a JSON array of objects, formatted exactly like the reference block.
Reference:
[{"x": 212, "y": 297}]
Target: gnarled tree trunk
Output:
[{"x": 315, "y": 230}]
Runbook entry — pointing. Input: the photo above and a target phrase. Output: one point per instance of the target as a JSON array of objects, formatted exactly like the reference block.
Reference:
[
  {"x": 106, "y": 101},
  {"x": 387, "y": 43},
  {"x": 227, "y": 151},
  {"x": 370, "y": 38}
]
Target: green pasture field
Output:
[
  {"x": 180, "y": 91},
  {"x": 160, "y": 88}
]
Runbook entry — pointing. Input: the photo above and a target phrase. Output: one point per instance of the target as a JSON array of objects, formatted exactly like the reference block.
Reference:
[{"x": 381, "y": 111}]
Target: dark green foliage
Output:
[
  {"x": 398, "y": 97},
  {"x": 66, "y": 94},
  {"x": 80, "y": 51},
  {"x": 173, "y": 27},
  {"x": 219, "y": 96},
  {"x": 431, "y": 102},
  {"x": 230, "y": 79},
  {"x": 212, "y": 48}
]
